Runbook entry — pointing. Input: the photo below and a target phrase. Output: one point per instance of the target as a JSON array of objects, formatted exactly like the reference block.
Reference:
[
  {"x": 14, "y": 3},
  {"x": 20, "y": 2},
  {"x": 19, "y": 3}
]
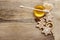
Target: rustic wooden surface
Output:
[{"x": 20, "y": 24}]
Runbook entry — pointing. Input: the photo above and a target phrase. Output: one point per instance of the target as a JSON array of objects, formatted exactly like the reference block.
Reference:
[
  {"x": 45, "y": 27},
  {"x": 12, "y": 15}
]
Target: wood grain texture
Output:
[{"x": 17, "y": 23}]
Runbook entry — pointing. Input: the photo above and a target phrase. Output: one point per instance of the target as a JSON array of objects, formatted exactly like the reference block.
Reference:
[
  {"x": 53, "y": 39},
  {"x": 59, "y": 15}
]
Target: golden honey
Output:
[{"x": 39, "y": 13}]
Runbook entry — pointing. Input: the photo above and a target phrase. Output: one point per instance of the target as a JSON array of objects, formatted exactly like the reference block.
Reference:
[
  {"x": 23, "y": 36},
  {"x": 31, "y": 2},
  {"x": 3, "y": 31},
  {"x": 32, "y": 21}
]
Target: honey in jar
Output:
[{"x": 38, "y": 13}]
